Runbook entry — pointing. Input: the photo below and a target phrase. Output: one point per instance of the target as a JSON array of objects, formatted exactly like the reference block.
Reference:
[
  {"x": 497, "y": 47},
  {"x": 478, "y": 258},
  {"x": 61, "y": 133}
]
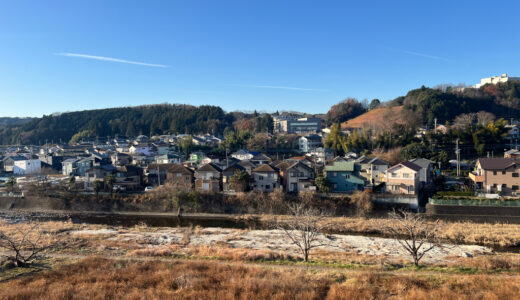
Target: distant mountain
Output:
[
  {"x": 127, "y": 121},
  {"x": 8, "y": 121}
]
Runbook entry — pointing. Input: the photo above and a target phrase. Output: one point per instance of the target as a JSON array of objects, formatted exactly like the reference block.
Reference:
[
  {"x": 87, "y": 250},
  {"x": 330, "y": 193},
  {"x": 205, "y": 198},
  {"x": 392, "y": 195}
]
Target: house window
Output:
[
  {"x": 333, "y": 174},
  {"x": 504, "y": 186},
  {"x": 494, "y": 185},
  {"x": 260, "y": 177},
  {"x": 406, "y": 175},
  {"x": 515, "y": 174},
  {"x": 394, "y": 175},
  {"x": 503, "y": 172},
  {"x": 267, "y": 186},
  {"x": 514, "y": 187},
  {"x": 293, "y": 174},
  {"x": 334, "y": 186},
  {"x": 494, "y": 173},
  {"x": 348, "y": 176},
  {"x": 271, "y": 175}
]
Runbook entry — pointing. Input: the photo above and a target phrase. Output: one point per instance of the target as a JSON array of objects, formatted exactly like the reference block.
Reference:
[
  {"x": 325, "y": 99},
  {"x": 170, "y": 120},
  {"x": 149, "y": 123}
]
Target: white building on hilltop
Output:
[{"x": 496, "y": 79}]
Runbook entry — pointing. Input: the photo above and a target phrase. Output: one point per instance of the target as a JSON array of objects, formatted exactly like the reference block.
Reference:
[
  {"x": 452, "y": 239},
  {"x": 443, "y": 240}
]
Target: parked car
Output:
[{"x": 148, "y": 188}]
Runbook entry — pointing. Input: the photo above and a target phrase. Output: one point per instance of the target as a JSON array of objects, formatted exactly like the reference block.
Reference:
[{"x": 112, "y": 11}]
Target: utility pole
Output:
[
  {"x": 457, "y": 151},
  {"x": 158, "y": 175},
  {"x": 435, "y": 126}
]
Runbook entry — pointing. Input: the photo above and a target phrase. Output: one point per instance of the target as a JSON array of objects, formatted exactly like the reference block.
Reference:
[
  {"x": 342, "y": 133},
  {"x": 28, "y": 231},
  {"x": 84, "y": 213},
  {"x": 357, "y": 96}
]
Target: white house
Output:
[
  {"x": 309, "y": 143},
  {"x": 25, "y": 167}
]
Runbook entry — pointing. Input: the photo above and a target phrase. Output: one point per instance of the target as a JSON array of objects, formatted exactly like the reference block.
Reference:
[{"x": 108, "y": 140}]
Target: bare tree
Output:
[
  {"x": 25, "y": 248},
  {"x": 363, "y": 202},
  {"x": 464, "y": 120},
  {"x": 484, "y": 117},
  {"x": 420, "y": 236},
  {"x": 303, "y": 229}
]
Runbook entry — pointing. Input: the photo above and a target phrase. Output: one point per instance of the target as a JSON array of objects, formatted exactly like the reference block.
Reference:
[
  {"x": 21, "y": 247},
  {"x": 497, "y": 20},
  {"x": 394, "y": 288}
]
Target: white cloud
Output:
[
  {"x": 425, "y": 55},
  {"x": 111, "y": 59}
]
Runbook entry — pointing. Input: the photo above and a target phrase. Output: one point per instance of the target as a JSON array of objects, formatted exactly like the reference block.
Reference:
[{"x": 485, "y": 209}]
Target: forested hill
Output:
[
  {"x": 128, "y": 121},
  {"x": 7, "y": 121}
]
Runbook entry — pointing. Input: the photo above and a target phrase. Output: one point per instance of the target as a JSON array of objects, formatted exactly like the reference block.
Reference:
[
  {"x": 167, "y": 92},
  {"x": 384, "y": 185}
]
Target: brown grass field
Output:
[
  {"x": 377, "y": 118},
  {"x": 97, "y": 278},
  {"x": 138, "y": 269}
]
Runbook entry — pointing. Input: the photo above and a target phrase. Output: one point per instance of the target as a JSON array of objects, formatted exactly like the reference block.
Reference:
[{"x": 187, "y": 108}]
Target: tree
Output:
[
  {"x": 336, "y": 140},
  {"x": 11, "y": 182},
  {"x": 344, "y": 110},
  {"x": 303, "y": 228},
  {"x": 363, "y": 202},
  {"x": 239, "y": 181},
  {"x": 186, "y": 144},
  {"x": 374, "y": 104},
  {"x": 420, "y": 236},
  {"x": 109, "y": 181},
  {"x": 182, "y": 197},
  {"x": 26, "y": 245},
  {"x": 98, "y": 185},
  {"x": 323, "y": 184}
]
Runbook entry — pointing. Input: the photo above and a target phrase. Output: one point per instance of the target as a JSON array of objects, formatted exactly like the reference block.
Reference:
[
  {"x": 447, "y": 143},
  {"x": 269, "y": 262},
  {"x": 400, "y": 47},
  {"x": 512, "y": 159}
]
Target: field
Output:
[
  {"x": 376, "y": 118},
  {"x": 140, "y": 262}
]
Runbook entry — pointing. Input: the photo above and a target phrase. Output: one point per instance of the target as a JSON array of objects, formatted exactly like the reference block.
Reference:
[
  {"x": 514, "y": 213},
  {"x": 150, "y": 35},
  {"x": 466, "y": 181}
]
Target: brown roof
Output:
[
  {"x": 282, "y": 165},
  {"x": 161, "y": 167},
  {"x": 180, "y": 169},
  {"x": 265, "y": 168},
  {"x": 498, "y": 163},
  {"x": 211, "y": 167}
]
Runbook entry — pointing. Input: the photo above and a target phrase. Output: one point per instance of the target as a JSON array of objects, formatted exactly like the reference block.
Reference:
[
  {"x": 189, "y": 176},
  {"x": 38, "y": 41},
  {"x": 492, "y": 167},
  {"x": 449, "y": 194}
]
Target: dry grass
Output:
[
  {"x": 96, "y": 278},
  {"x": 499, "y": 234}
]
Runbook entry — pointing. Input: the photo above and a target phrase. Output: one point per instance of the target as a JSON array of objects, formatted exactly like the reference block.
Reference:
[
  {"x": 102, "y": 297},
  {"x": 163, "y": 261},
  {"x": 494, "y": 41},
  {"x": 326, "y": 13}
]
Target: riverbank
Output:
[{"x": 500, "y": 236}]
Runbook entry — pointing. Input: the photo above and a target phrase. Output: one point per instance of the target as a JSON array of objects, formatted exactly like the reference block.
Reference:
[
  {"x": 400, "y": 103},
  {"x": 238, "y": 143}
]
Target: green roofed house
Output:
[{"x": 344, "y": 177}]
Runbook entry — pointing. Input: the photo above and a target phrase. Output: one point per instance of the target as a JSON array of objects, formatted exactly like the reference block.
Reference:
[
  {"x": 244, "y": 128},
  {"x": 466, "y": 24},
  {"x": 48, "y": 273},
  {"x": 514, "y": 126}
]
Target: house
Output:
[
  {"x": 162, "y": 148},
  {"x": 373, "y": 169},
  {"x": 426, "y": 173},
  {"x": 497, "y": 175},
  {"x": 226, "y": 176},
  {"x": 128, "y": 177},
  {"x": 144, "y": 149},
  {"x": 265, "y": 178},
  {"x": 82, "y": 165},
  {"x": 243, "y": 154},
  {"x": 180, "y": 176},
  {"x": 403, "y": 178},
  {"x": 298, "y": 177},
  {"x": 247, "y": 165},
  {"x": 10, "y": 160},
  {"x": 321, "y": 154},
  {"x": 513, "y": 153},
  {"x": 197, "y": 157},
  {"x": 169, "y": 158},
  {"x": 121, "y": 159},
  {"x": 309, "y": 143},
  {"x": 344, "y": 176},
  {"x": 156, "y": 173},
  {"x": 69, "y": 166},
  {"x": 208, "y": 178},
  {"x": 27, "y": 166},
  {"x": 260, "y": 159}
]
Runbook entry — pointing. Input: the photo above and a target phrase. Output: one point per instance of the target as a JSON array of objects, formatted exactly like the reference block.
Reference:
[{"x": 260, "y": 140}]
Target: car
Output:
[{"x": 148, "y": 188}]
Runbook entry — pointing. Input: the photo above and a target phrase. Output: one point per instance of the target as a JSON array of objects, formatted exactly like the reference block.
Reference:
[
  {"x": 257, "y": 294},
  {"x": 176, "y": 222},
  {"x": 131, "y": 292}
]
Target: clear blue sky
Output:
[{"x": 244, "y": 55}]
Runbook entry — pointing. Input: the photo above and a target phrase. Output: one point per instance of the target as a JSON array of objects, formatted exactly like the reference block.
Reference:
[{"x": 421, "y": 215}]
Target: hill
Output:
[
  {"x": 376, "y": 118},
  {"x": 128, "y": 121},
  {"x": 8, "y": 121}
]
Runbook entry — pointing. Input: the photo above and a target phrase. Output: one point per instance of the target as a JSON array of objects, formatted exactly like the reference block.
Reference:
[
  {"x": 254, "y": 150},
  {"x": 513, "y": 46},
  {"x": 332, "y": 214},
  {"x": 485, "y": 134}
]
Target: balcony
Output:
[{"x": 476, "y": 178}]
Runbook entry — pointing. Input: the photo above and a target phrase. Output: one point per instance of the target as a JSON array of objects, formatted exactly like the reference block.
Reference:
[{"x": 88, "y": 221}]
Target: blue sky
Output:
[{"x": 58, "y": 56}]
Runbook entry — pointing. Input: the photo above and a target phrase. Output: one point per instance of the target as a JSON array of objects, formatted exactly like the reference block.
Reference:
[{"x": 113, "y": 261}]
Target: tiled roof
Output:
[
  {"x": 340, "y": 166},
  {"x": 265, "y": 168},
  {"x": 488, "y": 163}
]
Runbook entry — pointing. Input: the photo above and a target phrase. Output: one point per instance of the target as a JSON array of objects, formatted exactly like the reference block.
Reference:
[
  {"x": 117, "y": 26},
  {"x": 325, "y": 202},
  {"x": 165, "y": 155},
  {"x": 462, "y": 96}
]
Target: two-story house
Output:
[
  {"x": 403, "y": 178},
  {"x": 180, "y": 176},
  {"x": 298, "y": 177},
  {"x": 265, "y": 178},
  {"x": 497, "y": 175},
  {"x": 344, "y": 176},
  {"x": 208, "y": 178},
  {"x": 426, "y": 172},
  {"x": 373, "y": 169}
]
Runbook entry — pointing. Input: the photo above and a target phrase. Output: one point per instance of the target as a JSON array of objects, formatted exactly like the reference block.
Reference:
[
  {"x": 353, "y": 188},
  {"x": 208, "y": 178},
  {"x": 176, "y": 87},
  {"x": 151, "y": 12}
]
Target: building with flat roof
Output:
[{"x": 496, "y": 79}]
